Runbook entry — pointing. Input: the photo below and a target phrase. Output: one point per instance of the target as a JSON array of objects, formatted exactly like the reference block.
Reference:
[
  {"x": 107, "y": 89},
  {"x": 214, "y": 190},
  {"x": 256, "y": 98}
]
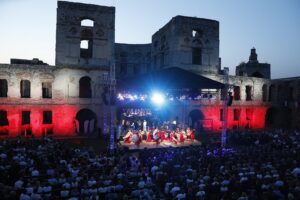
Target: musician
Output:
[
  {"x": 182, "y": 135},
  {"x": 149, "y": 135},
  {"x": 193, "y": 135},
  {"x": 142, "y": 135},
  {"x": 190, "y": 134},
  {"x": 156, "y": 135},
  {"x": 144, "y": 125},
  {"x": 162, "y": 135},
  {"x": 127, "y": 137},
  {"x": 136, "y": 138},
  {"x": 173, "y": 137}
]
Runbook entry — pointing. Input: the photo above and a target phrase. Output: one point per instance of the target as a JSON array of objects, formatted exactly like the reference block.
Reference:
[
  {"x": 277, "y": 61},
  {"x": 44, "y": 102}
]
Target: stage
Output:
[{"x": 164, "y": 144}]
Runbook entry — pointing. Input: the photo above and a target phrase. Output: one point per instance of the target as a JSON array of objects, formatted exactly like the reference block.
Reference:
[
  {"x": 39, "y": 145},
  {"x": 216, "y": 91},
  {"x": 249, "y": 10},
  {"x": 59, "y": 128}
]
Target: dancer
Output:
[
  {"x": 127, "y": 137},
  {"x": 156, "y": 135},
  {"x": 149, "y": 137},
  {"x": 173, "y": 137},
  {"x": 190, "y": 134},
  {"x": 182, "y": 136},
  {"x": 136, "y": 138}
]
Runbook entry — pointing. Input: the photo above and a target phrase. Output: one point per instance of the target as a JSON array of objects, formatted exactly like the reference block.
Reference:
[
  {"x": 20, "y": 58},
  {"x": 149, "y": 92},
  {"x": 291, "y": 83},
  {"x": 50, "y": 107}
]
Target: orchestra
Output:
[{"x": 159, "y": 135}]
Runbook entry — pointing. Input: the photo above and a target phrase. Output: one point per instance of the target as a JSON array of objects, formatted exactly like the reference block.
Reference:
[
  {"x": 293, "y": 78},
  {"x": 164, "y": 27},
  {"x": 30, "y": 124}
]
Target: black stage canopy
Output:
[{"x": 170, "y": 78}]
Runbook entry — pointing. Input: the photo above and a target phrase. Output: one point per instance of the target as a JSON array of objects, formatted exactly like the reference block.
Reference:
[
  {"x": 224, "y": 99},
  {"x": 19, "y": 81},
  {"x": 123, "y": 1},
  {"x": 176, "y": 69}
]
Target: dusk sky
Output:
[{"x": 271, "y": 26}]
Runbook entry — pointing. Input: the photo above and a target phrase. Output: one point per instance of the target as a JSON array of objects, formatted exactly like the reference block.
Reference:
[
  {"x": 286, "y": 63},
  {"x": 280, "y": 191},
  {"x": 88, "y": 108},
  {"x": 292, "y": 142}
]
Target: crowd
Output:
[{"x": 262, "y": 165}]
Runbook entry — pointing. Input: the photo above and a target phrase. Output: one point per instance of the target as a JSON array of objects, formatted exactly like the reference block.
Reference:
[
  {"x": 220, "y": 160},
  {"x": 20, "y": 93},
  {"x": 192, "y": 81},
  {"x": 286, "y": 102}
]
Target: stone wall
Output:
[
  {"x": 173, "y": 44},
  {"x": 284, "y": 99},
  {"x": 65, "y": 102},
  {"x": 132, "y": 59},
  {"x": 71, "y": 33}
]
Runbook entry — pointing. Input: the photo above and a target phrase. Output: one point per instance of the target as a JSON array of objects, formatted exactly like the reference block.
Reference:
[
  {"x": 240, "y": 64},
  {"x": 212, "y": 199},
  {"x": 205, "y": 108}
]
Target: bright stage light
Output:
[{"x": 158, "y": 98}]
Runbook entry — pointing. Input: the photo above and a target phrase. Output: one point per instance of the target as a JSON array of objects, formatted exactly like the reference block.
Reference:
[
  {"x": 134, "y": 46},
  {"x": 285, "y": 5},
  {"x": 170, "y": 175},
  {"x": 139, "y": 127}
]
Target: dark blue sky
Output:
[{"x": 271, "y": 26}]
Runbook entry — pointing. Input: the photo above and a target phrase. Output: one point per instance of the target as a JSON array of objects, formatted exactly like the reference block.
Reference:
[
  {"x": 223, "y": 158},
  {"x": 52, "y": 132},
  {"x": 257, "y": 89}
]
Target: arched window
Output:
[
  {"x": 237, "y": 93},
  {"x": 87, "y": 22},
  {"x": 86, "y": 48},
  {"x": 197, "y": 33},
  {"x": 47, "y": 90},
  {"x": 3, "y": 88},
  {"x": 248, "y": 93},
  {"x": 85, "y": 90},
  {"x": 271, "y": 93},
  {"x": 264, "y": 93},
  {"x": 25, "y": 88}
]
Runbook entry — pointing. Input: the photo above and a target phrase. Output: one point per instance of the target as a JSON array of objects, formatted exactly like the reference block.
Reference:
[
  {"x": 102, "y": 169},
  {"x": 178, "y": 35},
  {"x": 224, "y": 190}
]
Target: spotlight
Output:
[
  {"x": 120, "y": 97},
  {"x": 158, "y": 98}
]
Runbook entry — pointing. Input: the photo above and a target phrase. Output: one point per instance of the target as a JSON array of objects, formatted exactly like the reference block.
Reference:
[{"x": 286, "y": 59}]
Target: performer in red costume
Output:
[
  {"x": 136, "y": 138},
  {"x": 182, "y": 136},
  {"x": 190, "y": 134},
  {"x": 149, "y": 139},
  {"x": 156, "y": 135},
  {"x": 173, "y": 137},
  {"x": 162, "y": 135},
  {"x": 193, "y": 135},
  {"x": 127, "y": 137}
]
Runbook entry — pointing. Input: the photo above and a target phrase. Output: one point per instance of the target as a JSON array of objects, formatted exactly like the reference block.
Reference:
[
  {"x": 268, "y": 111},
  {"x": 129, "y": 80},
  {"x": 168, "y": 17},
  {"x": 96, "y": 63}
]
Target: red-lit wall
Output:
[
  {"x": 256, "y": 120},
  {"x": 63, "y": 119}
]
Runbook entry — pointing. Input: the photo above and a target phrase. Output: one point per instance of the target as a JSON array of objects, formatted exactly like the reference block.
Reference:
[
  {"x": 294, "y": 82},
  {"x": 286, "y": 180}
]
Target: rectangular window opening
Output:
[
  {"x": 248, "y": 93},
  {"x": 47, "y": 117},
  {"x": 3, "y": 88},
  {"x": 86, "y": 48},
  {"x": 236, "y": 114},
  {"x": 221, "y": 114},
  {"x": 197, "y": 56},
  {"x": 47, "y": 90},
  {"x": 25, "y": 89},
  {"x": 25, "y": 117}
]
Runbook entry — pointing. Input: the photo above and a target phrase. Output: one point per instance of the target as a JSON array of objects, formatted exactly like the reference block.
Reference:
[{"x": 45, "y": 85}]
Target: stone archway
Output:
[
  {"x": 195, "y": 117},
  {"x": 270, "y": 118},
  {"x": 85, "y": 121}
]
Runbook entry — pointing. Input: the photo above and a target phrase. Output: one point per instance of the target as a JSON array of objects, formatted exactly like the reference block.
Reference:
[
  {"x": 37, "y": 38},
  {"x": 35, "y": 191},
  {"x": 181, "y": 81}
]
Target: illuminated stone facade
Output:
[{"x": 70, "y": 98}]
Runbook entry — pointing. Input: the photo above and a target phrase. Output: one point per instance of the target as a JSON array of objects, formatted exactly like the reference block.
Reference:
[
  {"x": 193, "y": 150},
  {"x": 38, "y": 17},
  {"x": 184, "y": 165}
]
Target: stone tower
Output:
[
  {"x": 85, "y": 34},
  {"x": 253, "y": 56},
  {"x": 187, "y": 42},
  {"x": 253, "y": 68}
]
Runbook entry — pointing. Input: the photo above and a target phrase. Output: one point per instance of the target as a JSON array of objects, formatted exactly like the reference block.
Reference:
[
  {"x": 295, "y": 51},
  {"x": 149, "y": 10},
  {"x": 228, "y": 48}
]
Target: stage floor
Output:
[{"x": 164, "y": 144}]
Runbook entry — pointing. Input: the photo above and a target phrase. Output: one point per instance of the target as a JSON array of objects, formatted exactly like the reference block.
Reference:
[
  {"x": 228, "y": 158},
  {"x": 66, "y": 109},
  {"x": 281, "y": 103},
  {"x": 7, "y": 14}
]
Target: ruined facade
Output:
[
  {"x": 284, "y": 98},
  {"x": 185, "y": 42},
  {"x": 85, "y": 34},
  {"x": 71, "y": 98}
]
